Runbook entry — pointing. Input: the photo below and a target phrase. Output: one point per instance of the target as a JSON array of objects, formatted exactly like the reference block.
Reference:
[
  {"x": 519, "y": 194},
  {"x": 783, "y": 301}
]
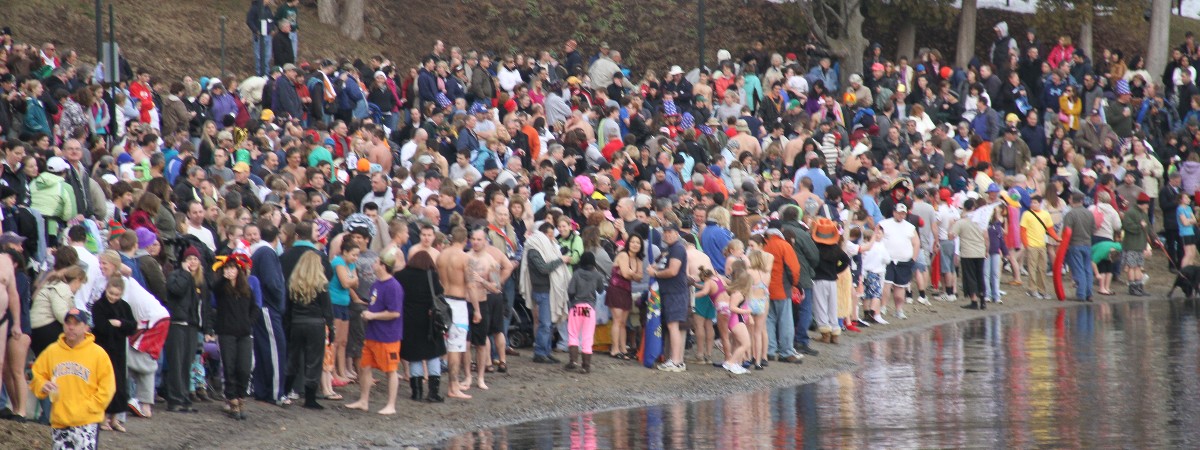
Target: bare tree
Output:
[
  {"x": 327, "y": 11},
  {"x": 966, "y": 33},
  {"x": 1160, "y": 35},
  {"x": 352, "y": 19},
  {"x": 906, "y": 15},
  {"x": 839, "y": 24}
]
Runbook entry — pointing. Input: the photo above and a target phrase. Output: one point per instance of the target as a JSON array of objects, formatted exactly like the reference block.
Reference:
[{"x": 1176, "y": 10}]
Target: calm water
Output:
[{"x": 1100, "y": 376}]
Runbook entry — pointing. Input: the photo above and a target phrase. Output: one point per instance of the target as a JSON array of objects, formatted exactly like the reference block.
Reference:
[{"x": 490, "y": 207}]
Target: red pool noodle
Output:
[
  {"x": 935, "y": 270},
  {"x": 1059, "y": 257}
]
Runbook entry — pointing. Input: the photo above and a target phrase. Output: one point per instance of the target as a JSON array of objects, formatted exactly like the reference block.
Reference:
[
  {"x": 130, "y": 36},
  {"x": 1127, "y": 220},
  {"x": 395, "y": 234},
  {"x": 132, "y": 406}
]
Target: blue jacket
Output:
[
  {"x": 286, "y": 101},
  {"x": 35, "y": 117},
  {"x": 266, "y": 267},
  {"x": 223, "y": 105},
  {"x": 427, "y": 86},
  {"x": 712, "y": 242},
  {"x": 829, "y": 78},
  {"x": 350, "y": 96},
  {"x": 466, "y": 141}
]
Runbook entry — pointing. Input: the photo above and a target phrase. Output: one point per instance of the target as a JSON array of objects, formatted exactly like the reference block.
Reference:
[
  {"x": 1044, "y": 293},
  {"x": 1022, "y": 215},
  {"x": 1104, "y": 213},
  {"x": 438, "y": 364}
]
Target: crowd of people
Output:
[{"x": 285, "y": 234}]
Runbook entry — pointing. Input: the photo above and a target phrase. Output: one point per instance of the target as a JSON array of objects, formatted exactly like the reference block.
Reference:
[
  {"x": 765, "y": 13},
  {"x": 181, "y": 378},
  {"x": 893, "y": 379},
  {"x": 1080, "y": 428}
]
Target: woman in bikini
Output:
[
  {"x": 757, "y": 296},
  {"x": 627, "y": 268},
  {"x": 730, "y": 307}
]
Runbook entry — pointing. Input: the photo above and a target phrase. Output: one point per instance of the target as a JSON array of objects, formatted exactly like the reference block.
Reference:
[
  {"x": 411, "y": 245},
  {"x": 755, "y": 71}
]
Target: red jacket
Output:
[{"x": 785, "y": 259}]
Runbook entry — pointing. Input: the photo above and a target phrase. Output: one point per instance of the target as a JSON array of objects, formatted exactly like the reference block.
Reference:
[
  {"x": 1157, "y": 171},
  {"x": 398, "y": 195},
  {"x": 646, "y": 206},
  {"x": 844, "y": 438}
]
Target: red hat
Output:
[
  {"x": 945, "y": 194},
  {"x": 946, "y": 72},
  {"x": 791, "y": 56},
  {"x": 739, "y": 210},
  {"x": 1143, "y": 198}
]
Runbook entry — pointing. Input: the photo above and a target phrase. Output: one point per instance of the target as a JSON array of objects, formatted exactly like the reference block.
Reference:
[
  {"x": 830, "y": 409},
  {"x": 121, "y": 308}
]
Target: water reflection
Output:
[{"x": 1099, "y": 376}]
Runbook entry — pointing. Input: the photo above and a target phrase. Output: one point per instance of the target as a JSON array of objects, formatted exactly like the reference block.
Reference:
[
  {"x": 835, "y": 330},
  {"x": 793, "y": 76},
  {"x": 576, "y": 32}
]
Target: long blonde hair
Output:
[
  {"x": 739, "y": 278},
  {"x": 308, "y": 279},
  {"x": 758, "y": 261}
]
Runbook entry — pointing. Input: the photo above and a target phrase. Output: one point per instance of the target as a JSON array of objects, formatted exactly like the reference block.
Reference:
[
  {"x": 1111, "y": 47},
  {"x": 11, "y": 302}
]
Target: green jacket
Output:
[
  {"x": 1133, "y": 225},
  {"x": 806, "y": 252},
  {"x": 50, "y": 195}
]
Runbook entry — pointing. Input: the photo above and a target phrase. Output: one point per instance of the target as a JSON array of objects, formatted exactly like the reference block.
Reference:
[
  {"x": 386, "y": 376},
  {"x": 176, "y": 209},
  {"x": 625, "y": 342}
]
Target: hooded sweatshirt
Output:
[
  {"x": 585, "y": 283},
  {"x": 1190, "y": 174},
  {"x": 84, "y": 375},
  {"x": 1002, "y": 45},
  {"x": 50, "y": 195}
]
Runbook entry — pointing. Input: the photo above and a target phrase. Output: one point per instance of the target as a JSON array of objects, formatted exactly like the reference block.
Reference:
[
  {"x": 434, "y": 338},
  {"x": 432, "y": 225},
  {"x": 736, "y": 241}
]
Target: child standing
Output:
[
  {"x": 833, "y": 261},
  {"x": 997, "y": 253},
  {"x": 585, "y": 283},
  {"x": 972, "y": 250},
  {"x": 874, "y": 266}
]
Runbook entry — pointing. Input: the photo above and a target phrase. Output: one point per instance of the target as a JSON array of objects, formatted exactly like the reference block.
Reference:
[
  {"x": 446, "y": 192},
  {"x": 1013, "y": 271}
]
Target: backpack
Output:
[{"x": 440, "y": 317}]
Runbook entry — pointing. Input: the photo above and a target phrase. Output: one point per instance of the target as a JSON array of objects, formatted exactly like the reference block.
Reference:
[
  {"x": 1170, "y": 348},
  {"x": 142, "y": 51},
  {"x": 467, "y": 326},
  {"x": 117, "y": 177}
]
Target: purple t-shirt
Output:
[{"x": 386, "y": 296}]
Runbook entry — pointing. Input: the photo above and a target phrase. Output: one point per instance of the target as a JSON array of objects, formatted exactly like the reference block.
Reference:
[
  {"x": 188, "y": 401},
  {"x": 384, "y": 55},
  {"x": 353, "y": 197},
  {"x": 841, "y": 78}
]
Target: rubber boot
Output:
[
  {"x": 417, "y": 384},
  {"x": 587, "y": 364},
  {"x": 574, "y": 352},
  {"x": 435, "y": 384},
  {"x": 310, "y": 397}
]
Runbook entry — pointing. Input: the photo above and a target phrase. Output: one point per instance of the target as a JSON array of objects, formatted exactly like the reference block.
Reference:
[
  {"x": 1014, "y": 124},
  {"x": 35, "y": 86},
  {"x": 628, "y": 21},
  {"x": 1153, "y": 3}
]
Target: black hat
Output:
[
  {"x": 433, "y": 174},
  {"x": 670, "y": 226},
  {"x": 6, "y": 31},
  {"x": 587, "y": 261},
  {"x": 490, "y": 164}
]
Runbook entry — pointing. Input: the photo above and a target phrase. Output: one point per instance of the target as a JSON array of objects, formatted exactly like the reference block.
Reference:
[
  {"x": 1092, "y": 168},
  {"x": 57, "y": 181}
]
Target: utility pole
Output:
[
  {"x": 222, "y": 72},
  {"x": 99, "y": 30},
  {"x": 700, "y": 33}
]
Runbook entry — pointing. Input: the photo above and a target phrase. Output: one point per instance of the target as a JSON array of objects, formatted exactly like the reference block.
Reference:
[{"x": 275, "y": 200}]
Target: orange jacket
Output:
[{"x": 784, "y": 256}]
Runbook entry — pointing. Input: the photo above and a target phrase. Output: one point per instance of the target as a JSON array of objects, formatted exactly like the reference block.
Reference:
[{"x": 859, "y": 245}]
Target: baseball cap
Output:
[
  {"x": 241, "y": 167},
  {"x": 993, "y": 188},
  {"x": 363, "y": 165},
  {"x": 79, "y": 315},
  {"x": 901, "y": 208},
  {"x": 57, "y": 164},
  {"x": 11, "y": 238},
  {"x": 1089, "y": 173},
  {"x": 670, "y": 226}
]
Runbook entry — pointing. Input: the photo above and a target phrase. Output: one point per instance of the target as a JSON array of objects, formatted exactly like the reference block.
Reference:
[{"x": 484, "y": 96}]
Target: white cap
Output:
[
  {"x": 859, "y": 150},
  {"x": 1089, "y": 173},
  {"x": 723, "y": 55},
  {"x": 57, "y": 164},
  {"x": 962, "y": 153},
  {"x": 675, "y": 70},
  {"x": 901, "y": 208},
  {"x": 109, "y": 178},
  {"x": 329, "y": 216},
  {"x": 856, "y": 78}
]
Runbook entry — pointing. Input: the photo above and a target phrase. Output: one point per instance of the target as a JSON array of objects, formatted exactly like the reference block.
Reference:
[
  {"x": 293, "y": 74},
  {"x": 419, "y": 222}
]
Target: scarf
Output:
[
  {"x": 558, "y": 279},
  {"x": 330, "y": 94}
]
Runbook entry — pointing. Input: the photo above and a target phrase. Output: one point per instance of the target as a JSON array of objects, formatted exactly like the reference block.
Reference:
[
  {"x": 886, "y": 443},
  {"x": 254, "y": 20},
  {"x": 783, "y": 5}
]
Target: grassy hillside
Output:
[{"x": 178, "y": 37}]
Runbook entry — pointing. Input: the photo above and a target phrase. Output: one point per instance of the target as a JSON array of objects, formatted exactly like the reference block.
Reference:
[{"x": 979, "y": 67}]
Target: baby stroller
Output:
[
  {"x": 1188, "y": 281},
  {"x": 520, "y": 328}
]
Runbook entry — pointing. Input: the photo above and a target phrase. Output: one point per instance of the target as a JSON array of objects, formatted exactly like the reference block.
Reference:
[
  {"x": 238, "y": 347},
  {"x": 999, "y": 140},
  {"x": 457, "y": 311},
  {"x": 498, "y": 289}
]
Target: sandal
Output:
[
  {"x": 502, "y": 367},
  {"x": 105, "y": 427},
  {"x": 116, "y": 426},
  {"x": 625, "y": 356},
  {"x": 333, "y": 396},
  {"x": 491, "y": 368}
]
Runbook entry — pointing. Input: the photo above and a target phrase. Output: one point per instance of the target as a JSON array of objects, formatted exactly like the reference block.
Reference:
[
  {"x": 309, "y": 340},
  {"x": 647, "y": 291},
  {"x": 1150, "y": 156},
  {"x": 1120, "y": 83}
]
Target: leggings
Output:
[
  {"x": 417, "y": 368},
  {"x": 180, "y": 352},
  {"x": 236, "y": 358},
  {"x": 581, "y": 327}
]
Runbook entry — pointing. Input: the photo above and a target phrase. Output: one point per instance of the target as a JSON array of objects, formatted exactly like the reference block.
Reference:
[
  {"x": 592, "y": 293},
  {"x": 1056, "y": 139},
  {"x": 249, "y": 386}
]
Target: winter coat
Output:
[
  {"x": 51, "y": 195},
  {"x": 420, "y": 343}
]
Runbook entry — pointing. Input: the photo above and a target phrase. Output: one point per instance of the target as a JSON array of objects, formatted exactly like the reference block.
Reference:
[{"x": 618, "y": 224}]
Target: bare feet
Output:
[
  {"x": 388, "y": 410},
  {"x": 116, "y": 426},
  {"x": 361, "y": 405},
  {"x": 465, "y": 386},
  {"x": 482, "y": 385},
  {"x": 456, "y": 394}
]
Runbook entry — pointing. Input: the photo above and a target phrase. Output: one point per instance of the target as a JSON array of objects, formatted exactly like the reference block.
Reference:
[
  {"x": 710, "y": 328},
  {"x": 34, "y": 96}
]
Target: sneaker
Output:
[
  {"x": 900, "y": 315},
  {"x": 740, "y": 370},
  {"x": 908, "y": 300},
  {"x": 1145, "y": 278},
  {"x": 923, "y": 301},
  {"x": 681, "y": 367},
  {"x": 862, "y": 323},
  {"x": 879, "y": 319},
  {"x": 950, "y": 298},
  {"x": 668, "y": 366},
  {"x": 999, "y": 301}
]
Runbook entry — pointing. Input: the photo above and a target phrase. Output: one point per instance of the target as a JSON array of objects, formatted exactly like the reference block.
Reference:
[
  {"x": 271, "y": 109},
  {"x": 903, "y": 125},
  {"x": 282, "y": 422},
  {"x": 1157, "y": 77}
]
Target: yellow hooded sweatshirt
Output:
[{"x": 84, "y": 375}]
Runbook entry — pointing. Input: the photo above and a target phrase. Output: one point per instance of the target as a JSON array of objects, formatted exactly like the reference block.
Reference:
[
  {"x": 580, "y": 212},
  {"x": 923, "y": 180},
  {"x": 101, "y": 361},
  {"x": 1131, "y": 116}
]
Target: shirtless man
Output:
[
  {"x": 428, "y": 234},
  {"x": 452, "y": 269},
  {"x": 487, "y": 268},
  {"x": 14, "y": 340},
  {"x": 705, "y": 311}
]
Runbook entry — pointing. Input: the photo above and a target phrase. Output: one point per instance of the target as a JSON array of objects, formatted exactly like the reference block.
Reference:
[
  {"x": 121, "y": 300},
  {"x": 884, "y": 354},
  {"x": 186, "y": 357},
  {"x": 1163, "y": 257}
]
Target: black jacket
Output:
[
  {"x": 420, "y": 343},
  {"x": 281, "y": 49},
  {"x": 184, "y": 298},
  {"x": 257, "y": 13},
  {"x": 236, "y": 313},
  {"x": 320, "y": 309}
]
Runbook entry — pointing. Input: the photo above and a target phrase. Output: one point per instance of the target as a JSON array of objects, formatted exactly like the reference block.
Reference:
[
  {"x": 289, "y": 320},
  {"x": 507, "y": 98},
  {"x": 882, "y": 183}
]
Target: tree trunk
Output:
[
  {"x": 907, "y": 45},
  {"x": 352, "y": 19},
  {"x": 1085, "y": 32},
  {"x": 327, "y": 11},
  {"x": 966, "y": 33},
  {"x": 1160, "y": 36},
  {"x": 853, "y": 44}
]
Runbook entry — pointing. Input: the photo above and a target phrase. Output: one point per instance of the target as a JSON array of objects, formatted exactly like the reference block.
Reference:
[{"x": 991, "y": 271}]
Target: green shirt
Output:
[
  {"x": 1133, "y": 225},
  {"x": 288, "y": 13},
  {"x": 1101, "y": 249}
]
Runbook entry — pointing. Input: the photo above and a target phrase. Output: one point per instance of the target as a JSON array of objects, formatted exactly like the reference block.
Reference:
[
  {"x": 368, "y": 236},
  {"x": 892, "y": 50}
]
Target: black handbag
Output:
[{"x": 440, "y": 317}]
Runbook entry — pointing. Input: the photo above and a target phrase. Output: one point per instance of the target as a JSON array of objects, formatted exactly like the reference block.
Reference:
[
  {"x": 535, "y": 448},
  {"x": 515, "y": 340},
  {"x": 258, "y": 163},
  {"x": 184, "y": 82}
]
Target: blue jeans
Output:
[
  {"x": 262, "y": 54},
  {"x": 780, "y": 329},
  {"x": 510, "y": 296},
  {"x": 545, "y": 333},
  {"x": 804, "y": 318},
  {"x": 1079, "y": 259},
  {"x": 417, "y": 368},
  {"x": 991, "y": 276},
  {"x": 294, "y": 36}
]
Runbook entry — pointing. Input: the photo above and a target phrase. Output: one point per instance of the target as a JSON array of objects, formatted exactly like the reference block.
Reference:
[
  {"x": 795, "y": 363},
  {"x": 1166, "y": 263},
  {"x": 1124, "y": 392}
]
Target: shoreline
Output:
[{"x": 534, "y": 391}]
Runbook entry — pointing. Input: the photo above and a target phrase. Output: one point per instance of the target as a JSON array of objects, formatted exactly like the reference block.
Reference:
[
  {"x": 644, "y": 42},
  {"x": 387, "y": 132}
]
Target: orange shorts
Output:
[{"x": 384, "y": 356}]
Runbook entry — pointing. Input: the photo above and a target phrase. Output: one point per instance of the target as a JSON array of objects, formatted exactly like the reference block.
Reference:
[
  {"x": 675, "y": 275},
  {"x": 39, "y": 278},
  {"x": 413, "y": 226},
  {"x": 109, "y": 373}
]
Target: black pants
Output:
[
  {"x": 42, "y": 337},
  {"x": 180, "y": 351},
  {"x": 1173, "y": 245},
  {"x": 306, "y": 351},
  {"x": 236, "y": 357},
  {"x": 972, "y": 277}
]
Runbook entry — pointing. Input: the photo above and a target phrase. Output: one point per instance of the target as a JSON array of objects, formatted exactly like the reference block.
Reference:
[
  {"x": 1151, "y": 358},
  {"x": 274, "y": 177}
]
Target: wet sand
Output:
[{"x": 532, "y": 391}]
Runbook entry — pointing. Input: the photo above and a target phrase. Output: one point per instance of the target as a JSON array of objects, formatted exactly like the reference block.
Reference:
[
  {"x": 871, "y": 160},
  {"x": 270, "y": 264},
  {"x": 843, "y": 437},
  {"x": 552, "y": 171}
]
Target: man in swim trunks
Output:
[
  {"x": 486, "y": 269},
  {"x": 452, "y": 270}
]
